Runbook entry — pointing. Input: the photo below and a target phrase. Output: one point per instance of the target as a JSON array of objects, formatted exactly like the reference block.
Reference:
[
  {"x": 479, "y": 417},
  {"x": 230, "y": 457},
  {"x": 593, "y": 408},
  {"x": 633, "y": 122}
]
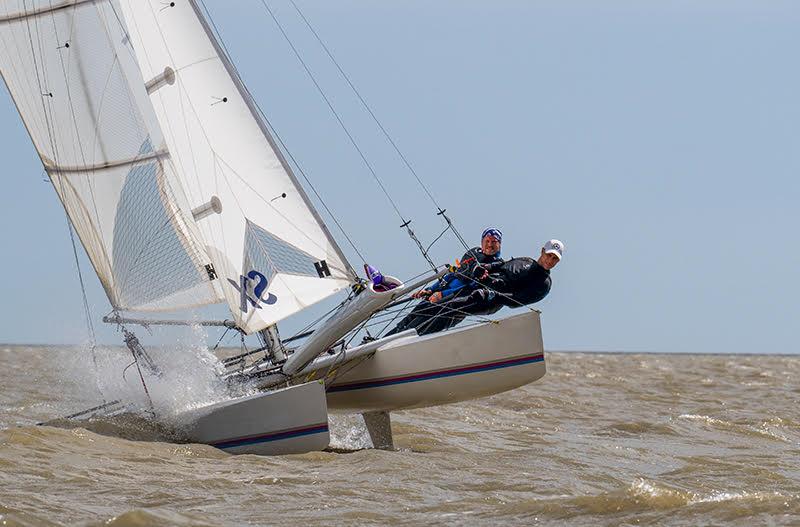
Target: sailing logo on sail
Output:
[{"x": 250, "y": 288}]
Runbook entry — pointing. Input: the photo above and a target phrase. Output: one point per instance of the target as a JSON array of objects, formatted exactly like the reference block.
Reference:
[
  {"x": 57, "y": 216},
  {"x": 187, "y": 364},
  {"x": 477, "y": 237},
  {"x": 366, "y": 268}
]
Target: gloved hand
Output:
[
  {"x": 480, "y": 272},
  {"x": 494, "y": 284},
  {"x": 422, "y": 293},
  {"x": 481, "y": 295}
]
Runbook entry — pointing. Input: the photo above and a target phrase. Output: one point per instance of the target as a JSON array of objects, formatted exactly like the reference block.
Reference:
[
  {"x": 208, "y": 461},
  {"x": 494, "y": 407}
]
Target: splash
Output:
[
  {"x": 190, "y": 377},
  {"x": 348, "y": 432}
]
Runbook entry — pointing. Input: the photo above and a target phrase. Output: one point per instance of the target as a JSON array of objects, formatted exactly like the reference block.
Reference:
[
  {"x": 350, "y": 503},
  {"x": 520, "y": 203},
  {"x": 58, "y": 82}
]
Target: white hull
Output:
[
  {"x": 408, "y": 372},
  {"x": 289, "y": 421},
  {"x": 443, "y": 368}
]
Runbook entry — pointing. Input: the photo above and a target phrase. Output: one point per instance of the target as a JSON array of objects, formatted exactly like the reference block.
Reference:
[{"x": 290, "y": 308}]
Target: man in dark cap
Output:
[{"x": 433, "y": 313}]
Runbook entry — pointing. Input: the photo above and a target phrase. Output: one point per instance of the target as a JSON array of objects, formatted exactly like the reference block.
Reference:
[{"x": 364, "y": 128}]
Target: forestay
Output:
[
  {"x": 273, "y": 254},
  {"x": 166, "y": 171}
]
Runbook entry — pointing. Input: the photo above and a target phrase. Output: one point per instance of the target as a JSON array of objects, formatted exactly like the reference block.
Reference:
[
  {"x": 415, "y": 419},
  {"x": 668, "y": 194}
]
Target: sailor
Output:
[
  {"x": 430, "y": 315},
  {"x": 513, "y": 283}
]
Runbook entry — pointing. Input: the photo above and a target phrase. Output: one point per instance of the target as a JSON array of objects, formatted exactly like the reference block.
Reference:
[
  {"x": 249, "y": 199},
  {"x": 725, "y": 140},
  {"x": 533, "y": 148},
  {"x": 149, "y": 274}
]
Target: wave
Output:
[
  {"x": 656, "y": 500},
  {"x": 139, "y": 517},
  {"x": 636, "y": 428},
  {"x": 766, "y": 429}
]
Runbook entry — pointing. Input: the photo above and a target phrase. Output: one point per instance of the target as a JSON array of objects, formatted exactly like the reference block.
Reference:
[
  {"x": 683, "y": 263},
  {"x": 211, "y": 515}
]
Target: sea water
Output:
[{"x": 602, "y": 439}]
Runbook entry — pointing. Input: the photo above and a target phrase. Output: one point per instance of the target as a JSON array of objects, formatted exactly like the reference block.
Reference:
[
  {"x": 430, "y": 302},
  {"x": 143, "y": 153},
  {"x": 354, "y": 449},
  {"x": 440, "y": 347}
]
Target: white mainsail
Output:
[
  {"x": 271, "y": 250},
  {"x": 165, "y": 169}
]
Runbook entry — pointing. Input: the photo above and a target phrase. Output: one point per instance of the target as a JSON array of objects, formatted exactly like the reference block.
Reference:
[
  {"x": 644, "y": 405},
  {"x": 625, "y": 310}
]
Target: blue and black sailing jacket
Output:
[{"x": 461, "y": 279}]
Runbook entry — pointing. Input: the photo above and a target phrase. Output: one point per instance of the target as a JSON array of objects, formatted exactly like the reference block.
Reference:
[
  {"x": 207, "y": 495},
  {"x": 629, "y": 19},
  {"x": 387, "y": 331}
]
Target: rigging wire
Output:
[
  {"x": 333, "y": 110},
  {"x": 441, "y": 211},
  {"x": 499, "y": 293},
  {"x": 220, "y": 339},
  {"x": 55, "y": 138},
  {"x": 405, "y": 223},
  {"x": 364, "y": 103},
  {"x": 318, "y": 320},
  {"x": 86, "y": 310}
]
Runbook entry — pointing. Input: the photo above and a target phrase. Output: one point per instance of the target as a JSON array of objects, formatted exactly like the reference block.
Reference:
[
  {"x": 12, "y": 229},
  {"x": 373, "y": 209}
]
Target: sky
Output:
[{"x": 657, "y": 140}]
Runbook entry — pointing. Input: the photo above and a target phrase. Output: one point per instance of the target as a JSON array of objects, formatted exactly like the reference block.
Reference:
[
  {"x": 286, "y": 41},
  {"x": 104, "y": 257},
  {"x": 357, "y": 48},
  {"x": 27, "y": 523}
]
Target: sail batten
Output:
[
  {"x": 44, "y": 10},
  {"x": 159, "y": 155}
]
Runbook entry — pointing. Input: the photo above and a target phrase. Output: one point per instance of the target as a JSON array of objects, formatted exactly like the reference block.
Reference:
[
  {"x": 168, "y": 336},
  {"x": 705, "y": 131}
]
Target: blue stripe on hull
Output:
[
  {"x": 272, "y": 436},
  {"x": 437, "y": 374}
]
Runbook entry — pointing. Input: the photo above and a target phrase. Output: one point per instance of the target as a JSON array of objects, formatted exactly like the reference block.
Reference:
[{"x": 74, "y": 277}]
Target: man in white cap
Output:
[
  {"x": 513, "y": 283},
  {"x": 554, "y": 248},
  {"x": 518, "y": 281}
]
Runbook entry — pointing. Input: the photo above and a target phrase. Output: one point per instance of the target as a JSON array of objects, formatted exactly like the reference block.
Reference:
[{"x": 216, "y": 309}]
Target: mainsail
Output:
[{"x": 165, "y": 169}]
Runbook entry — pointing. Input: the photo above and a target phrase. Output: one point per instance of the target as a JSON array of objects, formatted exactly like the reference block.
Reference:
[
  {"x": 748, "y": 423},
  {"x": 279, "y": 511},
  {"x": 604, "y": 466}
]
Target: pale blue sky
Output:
[{"x": 658, "y": 140}]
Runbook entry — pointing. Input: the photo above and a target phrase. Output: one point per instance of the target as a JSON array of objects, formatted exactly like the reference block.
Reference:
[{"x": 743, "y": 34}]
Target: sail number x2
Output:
[{"x": 257, "y": 283}]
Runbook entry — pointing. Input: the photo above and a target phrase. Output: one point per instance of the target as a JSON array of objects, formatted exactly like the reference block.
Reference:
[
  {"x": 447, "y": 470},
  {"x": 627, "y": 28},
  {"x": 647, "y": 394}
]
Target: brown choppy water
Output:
[{"x": 603, "y": 439}]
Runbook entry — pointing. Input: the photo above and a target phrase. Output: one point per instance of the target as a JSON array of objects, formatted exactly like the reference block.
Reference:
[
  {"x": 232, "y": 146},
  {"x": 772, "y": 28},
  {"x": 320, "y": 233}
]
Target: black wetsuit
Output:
[
  {"x": 521, "y": 281},
  {"x": 516, "y": 282},
  {"x": 428, "y": 317}
]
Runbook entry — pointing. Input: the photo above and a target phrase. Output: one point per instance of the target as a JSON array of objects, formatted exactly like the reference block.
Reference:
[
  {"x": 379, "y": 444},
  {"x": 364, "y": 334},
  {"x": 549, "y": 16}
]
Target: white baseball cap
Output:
[{"x": 554, "y": 247}]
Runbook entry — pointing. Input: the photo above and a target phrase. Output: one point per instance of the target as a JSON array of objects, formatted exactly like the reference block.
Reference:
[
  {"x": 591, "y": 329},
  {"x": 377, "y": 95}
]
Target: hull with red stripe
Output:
[
  {"x": 443, "y": 368},
  {"x": 291, "y": 420}
]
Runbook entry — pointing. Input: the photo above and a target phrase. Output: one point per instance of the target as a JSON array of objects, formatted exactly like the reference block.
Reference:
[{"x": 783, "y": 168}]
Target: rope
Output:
[
  {"x": 391, "y": 321},
  {"x": 452, "y": 227},
  {"x": 444, "y": 308},
  {"x": 428, "y": 248},
  {"x": 407, "y": 225}
]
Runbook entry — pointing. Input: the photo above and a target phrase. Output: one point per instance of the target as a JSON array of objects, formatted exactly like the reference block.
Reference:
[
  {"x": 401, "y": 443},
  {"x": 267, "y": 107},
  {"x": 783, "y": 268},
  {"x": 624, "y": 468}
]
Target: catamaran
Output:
[{"x": 182, "y": 197}]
